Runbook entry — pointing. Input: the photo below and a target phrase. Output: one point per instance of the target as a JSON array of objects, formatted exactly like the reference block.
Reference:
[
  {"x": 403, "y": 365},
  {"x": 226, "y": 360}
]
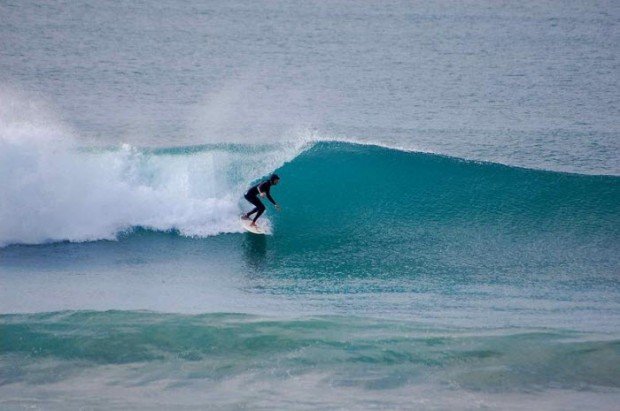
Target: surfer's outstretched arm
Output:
[
  {"x": 270, "y": 198},
  {"x": 265, "y": 189}
]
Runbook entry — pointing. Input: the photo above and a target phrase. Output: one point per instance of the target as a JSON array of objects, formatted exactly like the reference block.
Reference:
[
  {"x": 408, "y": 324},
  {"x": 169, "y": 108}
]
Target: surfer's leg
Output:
[
  {"x": 258, "y": 207},
  {"x": 261, "y": 210}
]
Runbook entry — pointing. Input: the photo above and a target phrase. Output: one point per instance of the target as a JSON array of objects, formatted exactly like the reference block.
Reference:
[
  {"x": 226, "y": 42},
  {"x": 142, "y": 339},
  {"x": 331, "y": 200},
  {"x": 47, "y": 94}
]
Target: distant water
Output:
[
  {"x": 525, "y": 83},
  {"x": 450, "y": 232}
]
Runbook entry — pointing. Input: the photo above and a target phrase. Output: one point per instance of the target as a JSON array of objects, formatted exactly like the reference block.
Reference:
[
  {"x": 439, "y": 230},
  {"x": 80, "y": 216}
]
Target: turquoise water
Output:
[
  {"x": 450, "y": 227},
  {"x": 402, "y": 277},
  {"x": 271, "y": 360}
]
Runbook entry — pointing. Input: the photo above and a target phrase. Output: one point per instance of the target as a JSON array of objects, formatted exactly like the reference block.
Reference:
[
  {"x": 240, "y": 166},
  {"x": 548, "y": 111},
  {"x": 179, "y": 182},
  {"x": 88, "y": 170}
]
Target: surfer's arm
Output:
[
  {"x": 270, "y": 198},
  {"x": 264, "y": 190}
]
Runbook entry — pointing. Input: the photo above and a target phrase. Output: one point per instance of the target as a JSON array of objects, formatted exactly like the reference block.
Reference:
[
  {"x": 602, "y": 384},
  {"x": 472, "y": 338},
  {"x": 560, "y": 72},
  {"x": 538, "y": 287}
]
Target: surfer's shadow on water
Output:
[{"x": 255, "y": 252}]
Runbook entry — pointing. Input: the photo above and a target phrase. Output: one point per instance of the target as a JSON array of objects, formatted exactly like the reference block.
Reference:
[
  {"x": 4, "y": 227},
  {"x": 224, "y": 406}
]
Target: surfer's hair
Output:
[{"x": 274, "y": 177}]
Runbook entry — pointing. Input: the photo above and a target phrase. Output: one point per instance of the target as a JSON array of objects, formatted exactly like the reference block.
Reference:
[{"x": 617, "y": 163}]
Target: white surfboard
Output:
[{"x": 254, "y": 230}]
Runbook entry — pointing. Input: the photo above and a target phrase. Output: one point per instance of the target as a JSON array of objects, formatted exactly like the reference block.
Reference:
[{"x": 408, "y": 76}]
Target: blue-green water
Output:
[
  {"x": 389, "y": 277},
  {"x": 270, "y": 360},
  {"x": 450, "y": 227}
]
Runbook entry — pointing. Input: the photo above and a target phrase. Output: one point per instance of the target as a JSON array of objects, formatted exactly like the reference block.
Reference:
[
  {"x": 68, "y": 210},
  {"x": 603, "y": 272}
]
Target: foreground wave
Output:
[{"x": 171, "y": 353}]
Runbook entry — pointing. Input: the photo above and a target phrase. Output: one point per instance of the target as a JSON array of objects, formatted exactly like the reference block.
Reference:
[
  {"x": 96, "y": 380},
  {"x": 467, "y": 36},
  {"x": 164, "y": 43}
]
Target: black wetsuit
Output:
[{"x": 252, "y": 196}]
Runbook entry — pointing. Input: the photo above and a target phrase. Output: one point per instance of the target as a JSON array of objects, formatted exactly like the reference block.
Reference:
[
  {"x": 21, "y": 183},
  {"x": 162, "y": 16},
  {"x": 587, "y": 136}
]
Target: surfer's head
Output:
[{"x": 274, "y": 179}]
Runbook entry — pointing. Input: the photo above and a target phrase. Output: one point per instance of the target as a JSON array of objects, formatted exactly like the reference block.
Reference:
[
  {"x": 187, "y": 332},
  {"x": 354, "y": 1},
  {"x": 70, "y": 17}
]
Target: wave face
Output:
[
  {"x": 340, "y": 182},
  {"x": 376, "y": 211},
  {"x": 323, "y": 361},
  {"x": 56, "y": 192}
]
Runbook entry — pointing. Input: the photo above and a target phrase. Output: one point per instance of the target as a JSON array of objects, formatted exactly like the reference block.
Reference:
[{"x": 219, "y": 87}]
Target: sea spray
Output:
[{"x": 55, "y": 190}]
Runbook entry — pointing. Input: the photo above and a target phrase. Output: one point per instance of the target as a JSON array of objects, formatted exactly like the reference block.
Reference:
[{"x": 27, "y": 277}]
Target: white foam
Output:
[{"x": 52, "y": 190}]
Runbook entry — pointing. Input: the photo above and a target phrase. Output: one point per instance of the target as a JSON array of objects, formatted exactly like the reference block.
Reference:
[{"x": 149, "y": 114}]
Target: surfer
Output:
[{"x": 260, "y": 189}]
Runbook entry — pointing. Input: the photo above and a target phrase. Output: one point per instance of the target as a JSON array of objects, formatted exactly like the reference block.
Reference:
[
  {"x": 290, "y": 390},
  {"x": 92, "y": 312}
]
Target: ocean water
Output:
[{"x": 450, "y": 227}]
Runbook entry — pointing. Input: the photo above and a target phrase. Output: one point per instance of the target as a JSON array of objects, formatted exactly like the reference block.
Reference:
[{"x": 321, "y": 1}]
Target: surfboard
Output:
[{"x": 254, "y": 230}]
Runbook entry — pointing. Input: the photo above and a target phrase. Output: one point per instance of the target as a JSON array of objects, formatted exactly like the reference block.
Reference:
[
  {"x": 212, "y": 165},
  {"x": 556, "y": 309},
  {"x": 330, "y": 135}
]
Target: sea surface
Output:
[{"x": 450, "y": 189}]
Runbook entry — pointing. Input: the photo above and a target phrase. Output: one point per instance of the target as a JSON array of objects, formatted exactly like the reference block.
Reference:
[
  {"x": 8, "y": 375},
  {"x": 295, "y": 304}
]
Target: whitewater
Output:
[
  {"x": 55, "y": 190},
  {"x": 450, "y": 227}
]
